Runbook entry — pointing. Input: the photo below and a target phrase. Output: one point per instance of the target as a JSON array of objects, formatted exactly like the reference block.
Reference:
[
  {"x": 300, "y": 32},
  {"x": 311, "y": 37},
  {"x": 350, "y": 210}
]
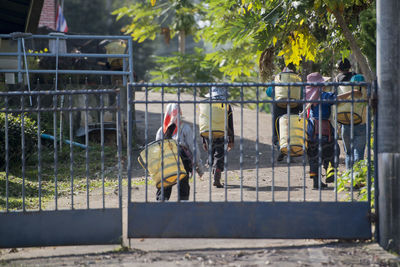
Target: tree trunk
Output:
[
  {"x": 361, "y": 59},
  {"x": 182, "y": 41}
]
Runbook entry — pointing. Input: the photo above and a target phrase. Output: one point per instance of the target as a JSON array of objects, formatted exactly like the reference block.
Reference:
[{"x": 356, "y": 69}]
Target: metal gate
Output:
[
  {"x": 262, "y": 198},
  {"x": 61, "y": 177}
]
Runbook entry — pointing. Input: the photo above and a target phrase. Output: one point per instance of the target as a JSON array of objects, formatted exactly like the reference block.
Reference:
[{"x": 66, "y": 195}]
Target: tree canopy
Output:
[{"x": 246, "y": 34}]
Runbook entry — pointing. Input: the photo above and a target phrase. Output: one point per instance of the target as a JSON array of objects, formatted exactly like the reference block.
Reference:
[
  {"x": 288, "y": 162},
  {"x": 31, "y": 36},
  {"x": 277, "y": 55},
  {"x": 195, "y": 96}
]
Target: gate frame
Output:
[
  {"x": 259, "y": 219},
  {"x": 70, "y": 226}
]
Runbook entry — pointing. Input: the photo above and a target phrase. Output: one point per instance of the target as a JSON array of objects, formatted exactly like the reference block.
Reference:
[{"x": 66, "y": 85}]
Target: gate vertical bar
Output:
[
  {"x": 129, "y": 143},
  {"x": 7, "y": 154},
  {"x": 23, "y": 152},
  {"x": 56, "y": 155},
  {"x": 71, "y": 150},
  {"x": 241, "y": 144},
  {"x": 39, "y": 153},
  {"x": 146, "y": 140},
  {"x": 119, "y": 146},
  {"x": 194, "y": 143},
  {"x": 257, "y": 140},
  {"x": 102, "y": 147},
  {"x": 87, "y": 148}
]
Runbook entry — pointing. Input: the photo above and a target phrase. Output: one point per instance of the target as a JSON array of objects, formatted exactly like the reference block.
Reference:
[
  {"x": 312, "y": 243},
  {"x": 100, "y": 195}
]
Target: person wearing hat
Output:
[
  {"x": 359, "y": 134},
  {"x": 277, "y": 111},
  {"x": 319, "y": 118},
  {"x": 174, "y": 128},
  {"x": 217, "y": 148},
  {"x": 344, "y": 66}
]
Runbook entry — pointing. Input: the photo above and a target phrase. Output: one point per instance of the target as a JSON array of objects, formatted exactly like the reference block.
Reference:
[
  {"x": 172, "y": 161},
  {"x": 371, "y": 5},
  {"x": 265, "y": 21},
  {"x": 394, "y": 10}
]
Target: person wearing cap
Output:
[
  {"x": 359, "y": 134},
  {"x": 217, "y": 148},
  {"x": 344, "y": 66},
  {"x": 277, "y": 111},
  {"x": 174, "y": 128},
  {"x": 319, "y": 118}
]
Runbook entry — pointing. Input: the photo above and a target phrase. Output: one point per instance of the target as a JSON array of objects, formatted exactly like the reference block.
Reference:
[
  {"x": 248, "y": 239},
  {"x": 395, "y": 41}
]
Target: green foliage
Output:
[
  {"x": 188, "y": 68},
  {"x": 368, "y": 34},
  {"x": 147, "y": 20},
  {"x": 31, "y": 183},
  {"x": 359, "y": 176},
  {"x": 14, "y": 138},
  {"x": 31, "y": 190},
  {"x": 240, "y": 30}
]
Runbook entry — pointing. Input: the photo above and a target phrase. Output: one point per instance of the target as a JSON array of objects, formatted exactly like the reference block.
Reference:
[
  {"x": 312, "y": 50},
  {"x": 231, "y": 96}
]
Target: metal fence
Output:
[
  {"x": 61, "y": 147},
  {"x": 261, "y": 197}
]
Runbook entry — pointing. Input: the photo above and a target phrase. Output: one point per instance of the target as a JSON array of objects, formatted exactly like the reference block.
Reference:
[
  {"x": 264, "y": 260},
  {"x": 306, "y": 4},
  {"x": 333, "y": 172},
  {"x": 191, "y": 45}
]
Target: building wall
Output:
[{"x": 48, "y": 15}]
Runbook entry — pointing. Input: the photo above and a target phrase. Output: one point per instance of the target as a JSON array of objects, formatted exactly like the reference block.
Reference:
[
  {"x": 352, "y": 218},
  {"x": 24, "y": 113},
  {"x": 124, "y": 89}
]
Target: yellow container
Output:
[
  {"x": 344, "y": 109},
  {"x": 154, "y": 167},
  {"x": 218, "y": 119},
  {"x": 282, "y": 92},
  {"x": 296, "y": 134},
  {"x": 116, "y": 47}
]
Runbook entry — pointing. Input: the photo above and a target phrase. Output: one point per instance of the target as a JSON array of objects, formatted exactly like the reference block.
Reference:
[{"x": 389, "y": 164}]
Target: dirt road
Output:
[{"x": 280, "y": 183}]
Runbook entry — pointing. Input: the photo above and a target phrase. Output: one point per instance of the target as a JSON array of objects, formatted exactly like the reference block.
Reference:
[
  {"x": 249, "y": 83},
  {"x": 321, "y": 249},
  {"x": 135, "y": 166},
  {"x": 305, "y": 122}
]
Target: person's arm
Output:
[{"x": 188, "y": 142}]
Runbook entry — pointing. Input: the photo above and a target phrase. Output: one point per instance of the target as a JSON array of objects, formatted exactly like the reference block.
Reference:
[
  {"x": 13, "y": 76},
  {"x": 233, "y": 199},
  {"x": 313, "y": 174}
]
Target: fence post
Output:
[{"x": 388, "y": 60}]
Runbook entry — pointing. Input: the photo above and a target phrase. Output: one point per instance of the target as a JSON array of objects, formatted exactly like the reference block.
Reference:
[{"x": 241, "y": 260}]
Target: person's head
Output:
[
  {"x": 171, "y": 116},
  {"x": 312, "y": 92},
  {"x": 357, "y": 78},
  {"x": 289, "y": 68},
  {"x": 343, "y": 65},
  {"x": 218, "y": 93}
]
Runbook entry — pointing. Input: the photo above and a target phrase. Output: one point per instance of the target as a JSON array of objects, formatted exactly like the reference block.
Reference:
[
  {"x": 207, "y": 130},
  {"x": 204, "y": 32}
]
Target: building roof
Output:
[{"x": 19, "y": 15}]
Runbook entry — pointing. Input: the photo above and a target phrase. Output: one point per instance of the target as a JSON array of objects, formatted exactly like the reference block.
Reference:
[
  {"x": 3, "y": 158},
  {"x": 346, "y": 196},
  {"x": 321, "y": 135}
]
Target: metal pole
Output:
[{"x": 388, "y": 60}]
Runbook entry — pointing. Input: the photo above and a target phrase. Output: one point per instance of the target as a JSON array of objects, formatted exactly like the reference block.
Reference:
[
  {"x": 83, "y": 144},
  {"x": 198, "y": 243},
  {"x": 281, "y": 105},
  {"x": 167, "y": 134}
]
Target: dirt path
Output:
[{"x": 281, "y": 183}]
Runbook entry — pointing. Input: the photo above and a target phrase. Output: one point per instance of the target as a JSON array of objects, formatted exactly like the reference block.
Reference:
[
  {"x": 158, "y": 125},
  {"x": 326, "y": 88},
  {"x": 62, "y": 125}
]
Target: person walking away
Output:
[
  {"x": 287, "y": 75},
  {"x": 344, "y": 66},
  {"x": 216, "y": 148},
  {"x": 174, "y": 128},
  {"x": 359, "y": 133},
  {"x": 327, "y": 141}
]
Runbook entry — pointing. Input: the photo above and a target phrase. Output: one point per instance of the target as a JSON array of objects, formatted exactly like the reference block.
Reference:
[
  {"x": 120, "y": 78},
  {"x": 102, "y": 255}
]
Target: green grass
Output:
[{"x": 31, "y": 183}]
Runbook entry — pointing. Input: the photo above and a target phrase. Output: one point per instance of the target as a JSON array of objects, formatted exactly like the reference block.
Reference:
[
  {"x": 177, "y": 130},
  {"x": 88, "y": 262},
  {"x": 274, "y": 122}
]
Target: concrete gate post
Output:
[{"x": 388, "y": 73}]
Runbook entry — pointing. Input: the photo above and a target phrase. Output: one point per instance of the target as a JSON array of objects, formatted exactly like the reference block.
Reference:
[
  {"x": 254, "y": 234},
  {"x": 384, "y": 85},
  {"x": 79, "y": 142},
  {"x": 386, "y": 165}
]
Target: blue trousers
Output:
[{"x": 359, "y": 141}]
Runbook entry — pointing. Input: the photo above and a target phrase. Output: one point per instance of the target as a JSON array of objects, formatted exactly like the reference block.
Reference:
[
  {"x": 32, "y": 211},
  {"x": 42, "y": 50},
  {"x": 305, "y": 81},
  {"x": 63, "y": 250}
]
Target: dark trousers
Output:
[
  {"x": 327, "y": 153},
  {"x": 184, "y": 190},
  {"x": 276, "y": 113},
  {"x": 217, "y": 153}
]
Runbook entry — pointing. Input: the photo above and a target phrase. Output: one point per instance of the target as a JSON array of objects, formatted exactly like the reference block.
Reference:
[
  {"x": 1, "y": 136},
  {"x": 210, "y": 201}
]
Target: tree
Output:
[
  {"x": 170, "y": 17},
  {"x": 243, "y": 32},
  {"x": 338, "y": 9}
]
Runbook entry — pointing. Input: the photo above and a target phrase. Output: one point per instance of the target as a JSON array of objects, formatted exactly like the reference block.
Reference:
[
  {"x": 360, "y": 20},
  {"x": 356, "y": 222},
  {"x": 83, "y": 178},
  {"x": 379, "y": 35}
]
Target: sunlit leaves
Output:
[
  {"x": 147, "y": 20},
  {"x": 299, "y": 45}
]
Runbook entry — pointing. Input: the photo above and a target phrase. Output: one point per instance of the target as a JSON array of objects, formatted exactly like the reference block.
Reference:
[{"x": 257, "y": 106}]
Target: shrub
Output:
[
  {"x": 360, "y": 181},
  {"x": 14, "y": 139}
]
